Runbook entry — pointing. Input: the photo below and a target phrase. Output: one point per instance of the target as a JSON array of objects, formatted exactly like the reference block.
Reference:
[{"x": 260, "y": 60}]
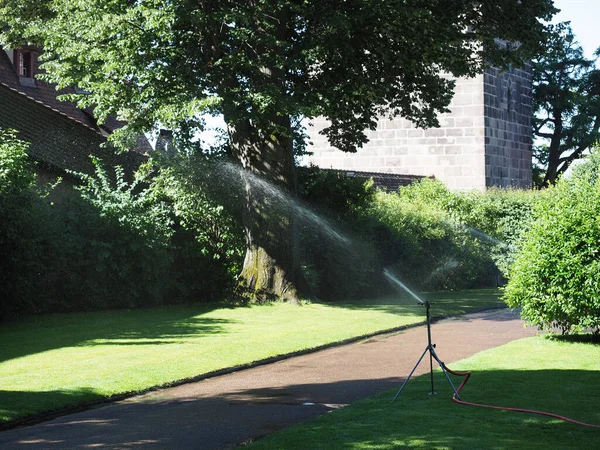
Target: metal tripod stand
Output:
[{"x": 432, "y": 355}]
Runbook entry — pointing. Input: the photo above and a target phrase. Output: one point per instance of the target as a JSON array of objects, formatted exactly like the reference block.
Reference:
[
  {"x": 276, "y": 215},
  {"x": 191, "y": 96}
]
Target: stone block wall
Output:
[
  {"x": 508, "y": 137},
  {"x": 484, "y": 141}
]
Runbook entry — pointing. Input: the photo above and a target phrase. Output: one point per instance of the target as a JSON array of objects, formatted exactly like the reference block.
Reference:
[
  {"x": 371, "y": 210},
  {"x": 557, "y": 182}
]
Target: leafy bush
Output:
[
  {"x": 429, "y": 236},
  {"x": 109, "y": 243},
  {"x": 335, "y": 268},
  {"x": 120, "y": 233},
  {"x": 16, "y": 173},
  {"x": 555, "y": 276},
  {"x": 208, "y": 244},
  {"x": 416, "y": 235},
  {"x": 498, "y": 217},
  {"x": 17, "y": 224}
]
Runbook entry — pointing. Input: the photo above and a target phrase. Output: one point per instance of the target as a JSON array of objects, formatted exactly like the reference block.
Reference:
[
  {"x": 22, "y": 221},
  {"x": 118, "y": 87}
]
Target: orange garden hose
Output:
[{"x": 466, "y": 376}]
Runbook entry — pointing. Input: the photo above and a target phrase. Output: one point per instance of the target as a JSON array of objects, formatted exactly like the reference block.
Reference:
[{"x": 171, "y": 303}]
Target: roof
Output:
[
  {"x": 389, "y": 182},
  {"x": 60, "y": 134},
  {"x": 43, "y": 92},
  {"x": 55, "y": 138}
]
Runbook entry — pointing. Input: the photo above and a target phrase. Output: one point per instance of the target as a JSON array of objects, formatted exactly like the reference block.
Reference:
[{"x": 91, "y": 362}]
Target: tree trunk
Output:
[
  {"x": 270, "y": 270},
  {"x": 554, "y": 151}
]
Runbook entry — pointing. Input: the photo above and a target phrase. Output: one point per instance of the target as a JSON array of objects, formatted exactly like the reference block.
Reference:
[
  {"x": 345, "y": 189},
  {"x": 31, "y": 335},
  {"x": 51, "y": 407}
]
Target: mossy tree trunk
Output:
[{"x": 271, "y": 269}]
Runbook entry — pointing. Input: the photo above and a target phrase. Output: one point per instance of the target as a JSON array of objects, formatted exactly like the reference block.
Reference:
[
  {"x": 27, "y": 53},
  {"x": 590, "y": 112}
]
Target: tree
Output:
[
  {"x": 264, "y": 65},
  {"x": 566, "y": 101}
]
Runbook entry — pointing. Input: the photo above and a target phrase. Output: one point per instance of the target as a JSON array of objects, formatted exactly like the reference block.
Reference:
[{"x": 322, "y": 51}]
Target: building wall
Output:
[
  {"x": 508, "y": 136},
  {"x": 484, "y": 141}
]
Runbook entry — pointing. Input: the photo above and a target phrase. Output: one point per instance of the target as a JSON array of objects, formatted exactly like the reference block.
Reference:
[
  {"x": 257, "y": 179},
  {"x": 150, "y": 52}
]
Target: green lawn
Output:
[
  {"x": 534, "y": 373},
  {"x": 61, "y": 360}
]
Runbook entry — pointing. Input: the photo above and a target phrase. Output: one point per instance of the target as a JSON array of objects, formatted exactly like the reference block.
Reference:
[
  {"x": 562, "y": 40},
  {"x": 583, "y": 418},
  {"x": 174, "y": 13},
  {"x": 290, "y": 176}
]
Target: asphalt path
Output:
[{"x": 230, "y": 410}]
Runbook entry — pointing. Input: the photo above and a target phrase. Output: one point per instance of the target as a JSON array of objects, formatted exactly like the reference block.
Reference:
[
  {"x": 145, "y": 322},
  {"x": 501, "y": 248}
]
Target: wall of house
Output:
[{"x": 485, "y": 139}]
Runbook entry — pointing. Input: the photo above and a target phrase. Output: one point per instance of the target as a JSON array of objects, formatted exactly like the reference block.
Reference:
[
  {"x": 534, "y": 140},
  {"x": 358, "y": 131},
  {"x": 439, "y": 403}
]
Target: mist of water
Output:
[
  {"x": 486, "y": 237},
  {"x": 447, "y": 265},
  {"x": 286, "y": 203},
  {"x": 399, "y": 284}
]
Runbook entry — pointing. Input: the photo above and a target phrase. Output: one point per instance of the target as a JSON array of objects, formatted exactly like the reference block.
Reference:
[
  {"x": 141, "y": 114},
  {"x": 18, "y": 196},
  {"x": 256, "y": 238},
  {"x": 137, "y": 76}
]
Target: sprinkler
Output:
[{"x": 432, "y": 355}]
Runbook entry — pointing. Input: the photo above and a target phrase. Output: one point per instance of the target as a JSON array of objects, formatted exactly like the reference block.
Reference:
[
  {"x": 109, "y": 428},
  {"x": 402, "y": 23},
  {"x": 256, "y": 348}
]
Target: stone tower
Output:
[{"x": 484, "y": 141}]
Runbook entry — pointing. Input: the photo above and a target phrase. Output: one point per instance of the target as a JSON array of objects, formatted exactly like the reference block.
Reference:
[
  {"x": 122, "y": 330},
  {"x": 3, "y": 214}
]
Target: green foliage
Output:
[
  {"x": 417, "y": 237},
  {"x": 429, "y": 236},
  {"x": 566, "y": 101},
  {"x": 111, "y": 243},
  {"x": 445, "y": 239},
  {"x": 331, "y": 191},
  {"x": 497, "y": 217},
  {"x": 334, "y": 269},
  {"x": 122, "y": 235},
  {"x": 555, "y": 276},
  {"x": 209, "y": 243},
  {"x": 234, "y": 58},
  {"x": 22, "y": 245},
  {"x": 16, "y": 174},
  {"x": 265, "y": 65}
]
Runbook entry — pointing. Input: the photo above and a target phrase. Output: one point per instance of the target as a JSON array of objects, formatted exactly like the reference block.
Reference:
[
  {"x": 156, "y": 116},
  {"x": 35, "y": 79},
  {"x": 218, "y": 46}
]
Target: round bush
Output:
[{"x": 555, "y": 275}]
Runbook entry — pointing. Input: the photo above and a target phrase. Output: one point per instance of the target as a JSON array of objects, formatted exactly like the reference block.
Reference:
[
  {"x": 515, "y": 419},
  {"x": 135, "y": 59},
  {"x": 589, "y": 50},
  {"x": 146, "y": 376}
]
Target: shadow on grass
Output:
[
  {"x": 587, "y": 338},
  {"x": 164, "y": 325},
  {"x": 418, "y": 420},
  {"x": 415, "y": 420},
  {"x": 13, "y": 403}
]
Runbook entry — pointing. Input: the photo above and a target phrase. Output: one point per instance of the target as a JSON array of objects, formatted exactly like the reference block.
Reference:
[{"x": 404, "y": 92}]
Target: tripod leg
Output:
[
  {"x": 431, "y": 370},
  {"x": 434, "y": 354},
  {"x": 410, "y": 374}
]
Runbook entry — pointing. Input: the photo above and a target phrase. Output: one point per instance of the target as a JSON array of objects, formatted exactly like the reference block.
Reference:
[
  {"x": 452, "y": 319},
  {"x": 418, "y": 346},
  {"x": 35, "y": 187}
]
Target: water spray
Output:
[
  {"x": 466, "y": 375},
  {"x": 430, "y": 348}
]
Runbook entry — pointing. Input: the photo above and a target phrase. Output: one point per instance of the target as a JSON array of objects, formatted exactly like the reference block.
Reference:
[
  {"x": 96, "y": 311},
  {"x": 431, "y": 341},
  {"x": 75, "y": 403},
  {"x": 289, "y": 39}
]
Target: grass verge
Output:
[
  {"x": 533, "y": 373},
  {"x": 58, "y": 361}
]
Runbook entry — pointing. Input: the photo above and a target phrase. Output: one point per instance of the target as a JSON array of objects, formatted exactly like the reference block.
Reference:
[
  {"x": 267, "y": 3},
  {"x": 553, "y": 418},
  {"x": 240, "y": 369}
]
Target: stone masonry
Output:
[{"x": 484, "y": 141}]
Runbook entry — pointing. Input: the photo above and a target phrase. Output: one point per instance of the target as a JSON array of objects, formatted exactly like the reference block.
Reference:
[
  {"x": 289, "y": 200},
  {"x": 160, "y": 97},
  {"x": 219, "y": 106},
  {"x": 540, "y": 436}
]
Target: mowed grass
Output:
[
  {"x": 62, "y": 360},
  {"x": 534, "y": 373}
]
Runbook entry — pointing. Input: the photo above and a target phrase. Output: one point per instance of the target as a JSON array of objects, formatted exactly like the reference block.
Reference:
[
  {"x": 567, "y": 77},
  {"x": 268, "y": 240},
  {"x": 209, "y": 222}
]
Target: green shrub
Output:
[
  {"x": 16, "y": 172},
  {"x": 28, "y": 232},
  {"x": 334, "y": 268},
  {"x": 107, "y": 244},
  {"x": 498, "y": 217},
  {"x": 208, "y": 244},
  {"x": 123, "y": 235},
  {"x": 429, "y": 236},
  {"x": 417, "y": 236},
  {"x": 555, "y": 276}
]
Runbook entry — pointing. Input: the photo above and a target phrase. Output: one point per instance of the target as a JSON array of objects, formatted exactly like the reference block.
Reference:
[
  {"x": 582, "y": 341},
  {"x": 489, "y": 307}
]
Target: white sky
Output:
[{"x": 584, "y": 16}]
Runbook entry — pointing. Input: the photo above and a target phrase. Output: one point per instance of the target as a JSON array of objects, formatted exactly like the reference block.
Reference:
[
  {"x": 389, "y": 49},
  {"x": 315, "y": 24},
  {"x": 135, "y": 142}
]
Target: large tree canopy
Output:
[
  {"x": 566, "y": 101},
  {"x": 264, "y": 64}
]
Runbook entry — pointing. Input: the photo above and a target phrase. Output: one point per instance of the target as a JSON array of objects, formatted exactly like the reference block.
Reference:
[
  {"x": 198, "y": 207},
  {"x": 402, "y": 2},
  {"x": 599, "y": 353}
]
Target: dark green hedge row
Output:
[
  {"x": 428, "y": 236},
  {"x": 174, "y": 235},
  {"x": 107, "y": 243}
]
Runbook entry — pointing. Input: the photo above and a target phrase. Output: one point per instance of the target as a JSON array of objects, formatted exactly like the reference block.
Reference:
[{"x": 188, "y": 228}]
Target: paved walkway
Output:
[{"x": 226, "y": 411}]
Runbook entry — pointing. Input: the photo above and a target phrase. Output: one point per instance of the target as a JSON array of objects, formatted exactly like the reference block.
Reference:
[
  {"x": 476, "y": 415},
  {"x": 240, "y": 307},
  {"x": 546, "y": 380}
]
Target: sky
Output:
[{"x": 584, "y": 16}]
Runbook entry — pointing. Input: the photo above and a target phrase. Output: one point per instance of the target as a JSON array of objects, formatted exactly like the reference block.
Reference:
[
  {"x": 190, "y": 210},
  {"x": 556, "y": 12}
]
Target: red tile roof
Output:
[
  {"x": 61, "y": 134},
  {"x": 43, "y": 92}
]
